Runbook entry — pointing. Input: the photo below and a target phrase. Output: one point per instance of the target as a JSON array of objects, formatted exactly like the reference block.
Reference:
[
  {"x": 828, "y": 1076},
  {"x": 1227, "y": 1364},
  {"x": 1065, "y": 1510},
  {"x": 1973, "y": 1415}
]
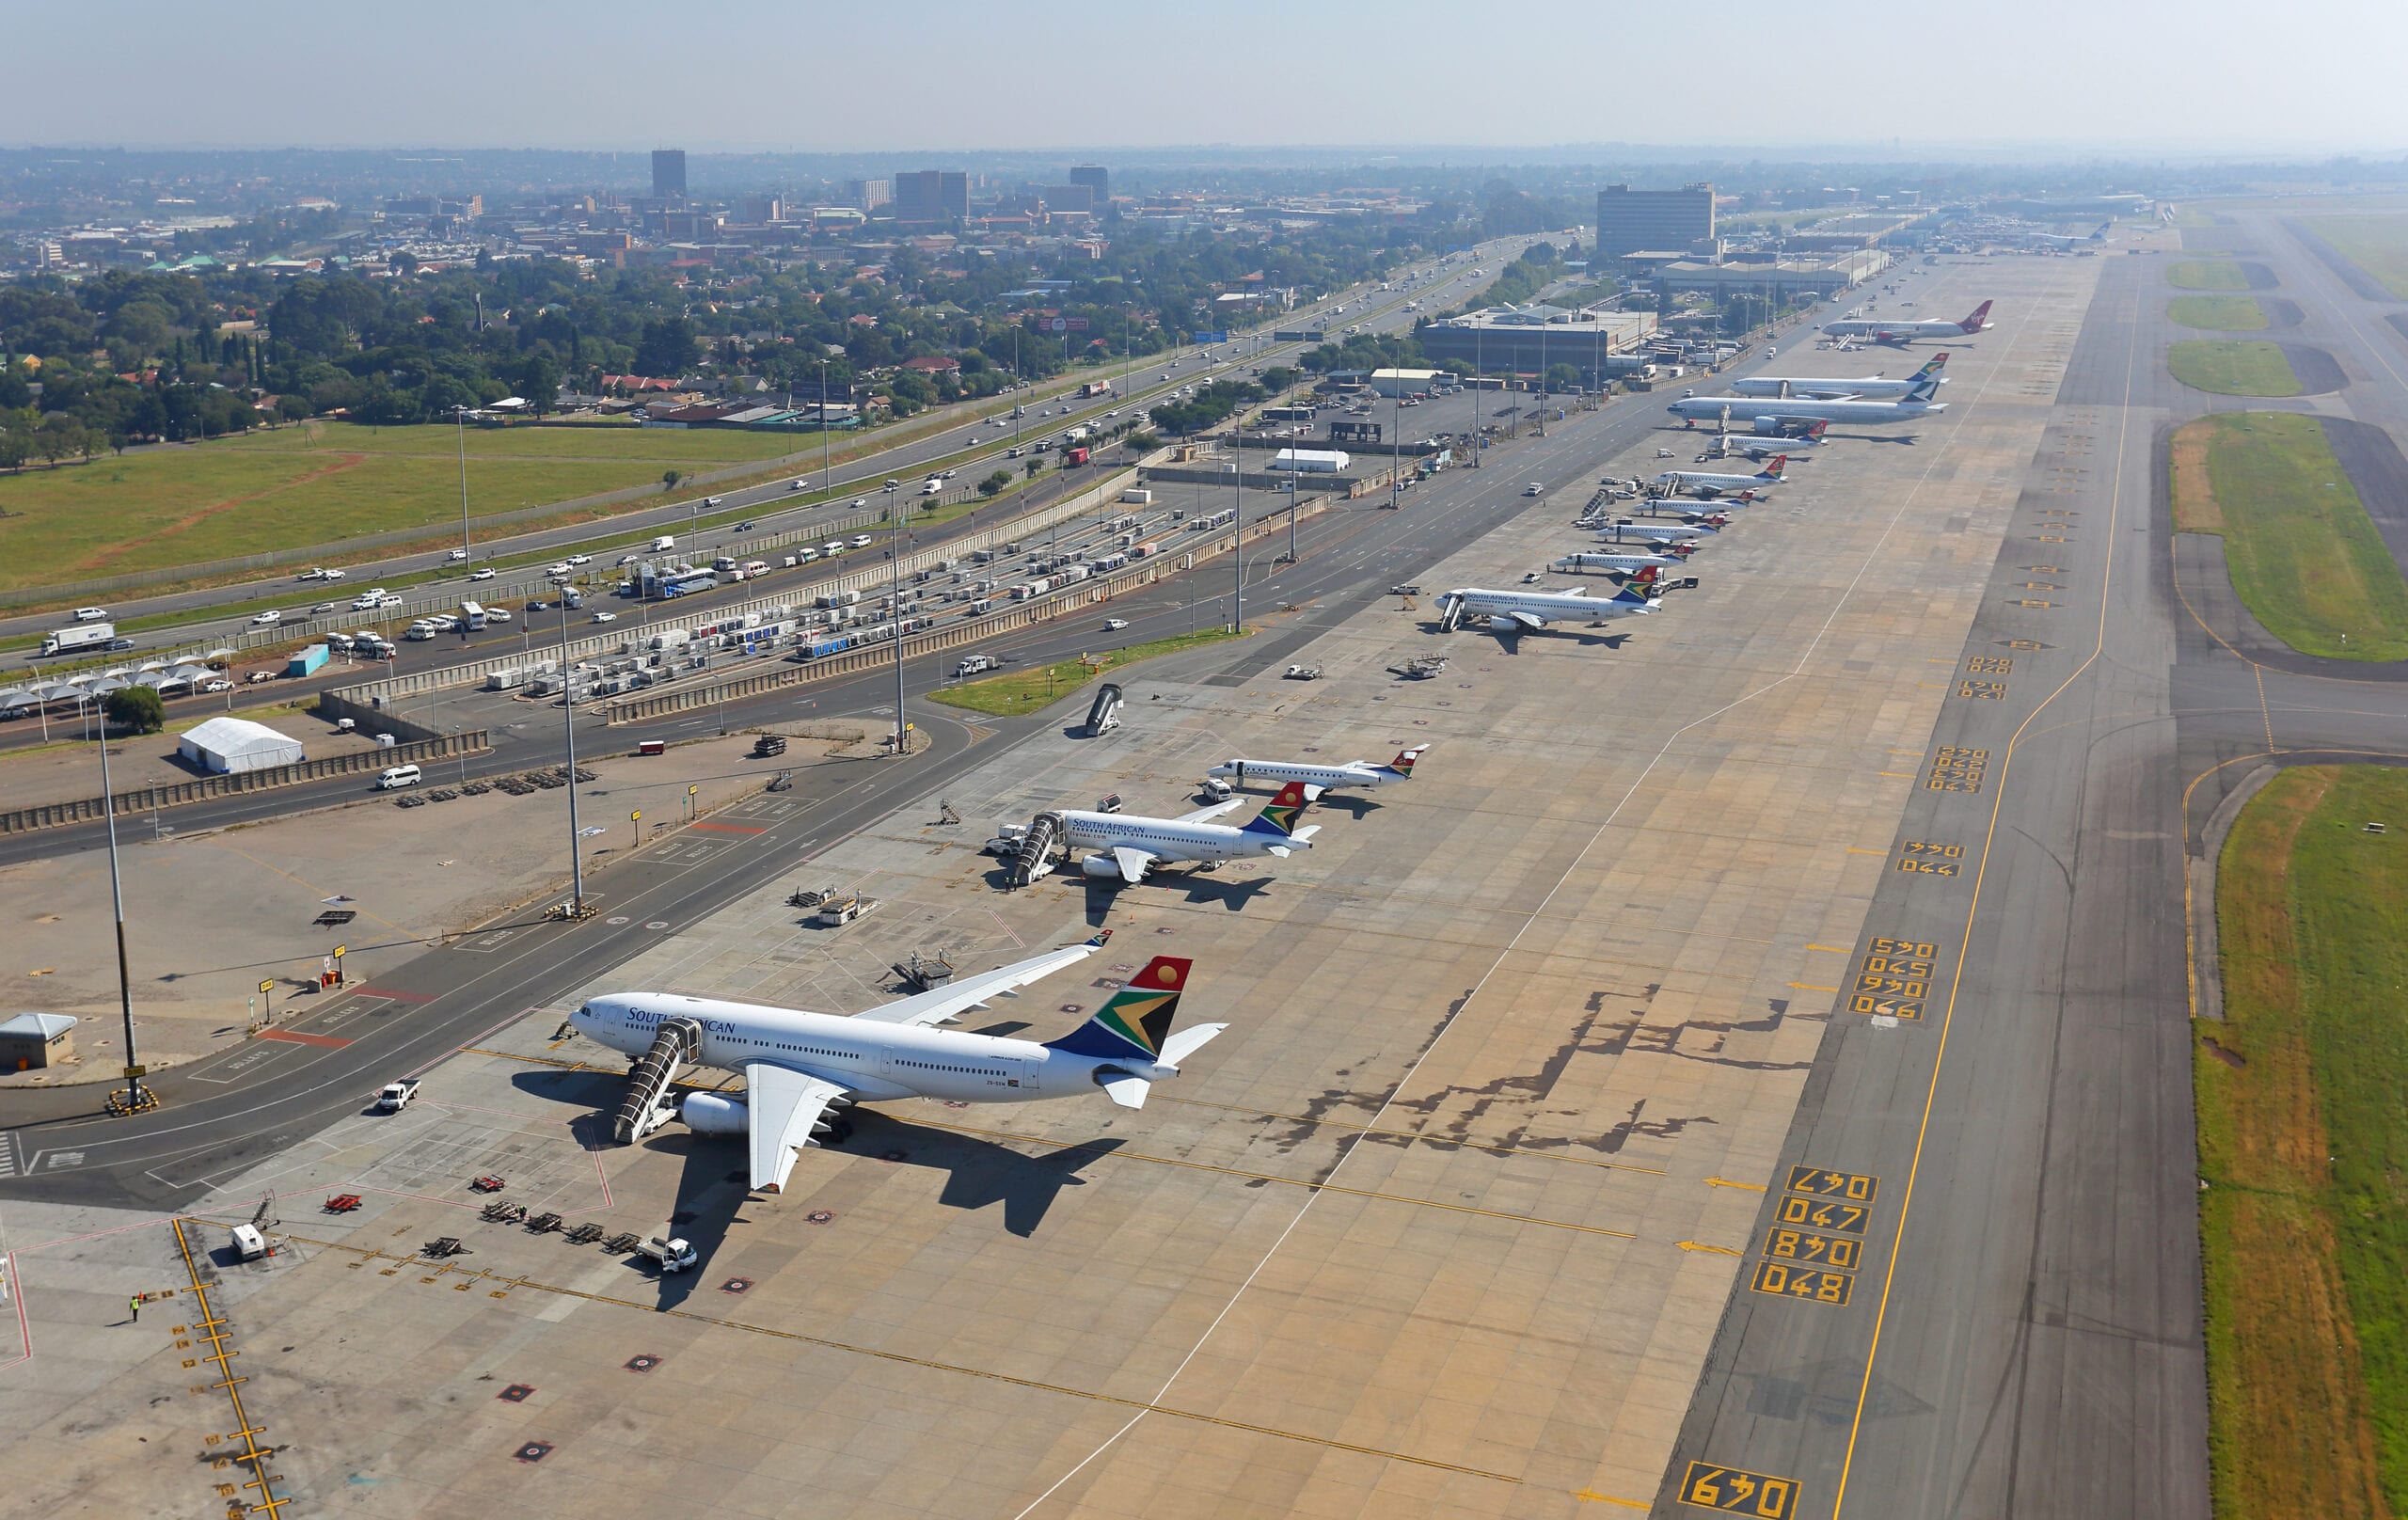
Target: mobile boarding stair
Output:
[{"x": 673, "y": 1045}]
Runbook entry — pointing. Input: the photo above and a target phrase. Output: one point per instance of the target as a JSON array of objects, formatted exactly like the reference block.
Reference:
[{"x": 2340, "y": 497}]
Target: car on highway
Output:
[
  {"x": 334, "y": 575},
  {"x": 860, "y": 541},
  {"x": 626, "y": 559},
  {"x": 711, "y": 501},
  {"x": 459, "y": 554},
  {"x": 606, "y": 617},
  {"x": 745, "y": 527},
  {"x": 91, "y": 614},
  {"x": 1534, "y": 488},
  {"x": 538, "y": 605},
  {"x": 267, "y": 619},
  {"x": 322, "y": 609},
  {"x": 860, "y": 502},
  {"x": 798, "y": 485},
  {"x": 1113, "y": 412},
  {"x": 486, "y": 574},
  {"x": 1114, "y": 625},
  {"x": 580, "y": 558},
  {"x": 559, "y": 569},
  {"x": 497, "y": 614},
  {"x": 220, "y": 684},
  {"x": 310, "y": 575}
]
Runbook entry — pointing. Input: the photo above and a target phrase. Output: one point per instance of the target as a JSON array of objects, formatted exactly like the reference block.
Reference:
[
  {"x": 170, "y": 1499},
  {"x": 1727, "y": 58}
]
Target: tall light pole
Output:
[
  {"x": 460, "y": 416},
  {"x": 135, "y": 1099},
  {"x": 568, "y": 726},
  {"x": 1479, "y": 367},
  {"x": 1237, "y": 536},
  {"x": 894, "y": 601},
  {"x": 827, "y": 470}
]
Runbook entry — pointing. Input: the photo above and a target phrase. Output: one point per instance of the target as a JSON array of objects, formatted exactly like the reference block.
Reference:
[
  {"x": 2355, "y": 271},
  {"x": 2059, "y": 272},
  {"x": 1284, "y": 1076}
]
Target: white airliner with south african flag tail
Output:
[{"x": 802, "y": 1070}]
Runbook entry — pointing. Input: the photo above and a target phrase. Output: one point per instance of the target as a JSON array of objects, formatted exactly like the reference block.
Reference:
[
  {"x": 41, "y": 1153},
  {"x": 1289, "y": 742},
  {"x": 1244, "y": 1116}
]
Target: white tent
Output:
[{"x": 231, "y": 744}]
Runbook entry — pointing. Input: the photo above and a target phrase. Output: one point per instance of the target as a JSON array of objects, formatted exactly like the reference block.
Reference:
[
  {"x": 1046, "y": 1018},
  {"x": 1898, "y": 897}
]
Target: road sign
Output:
[
  {"x": 134, "y": 1072},
  {"x": 636, "y": 816},
  {"x": 267, "y": 987},
  {"x": 339, "y": 949}
]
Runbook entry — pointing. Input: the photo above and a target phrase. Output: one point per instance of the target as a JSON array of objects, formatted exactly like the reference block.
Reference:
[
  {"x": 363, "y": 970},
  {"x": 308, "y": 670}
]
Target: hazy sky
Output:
[{"x": 2211, "y": 75}]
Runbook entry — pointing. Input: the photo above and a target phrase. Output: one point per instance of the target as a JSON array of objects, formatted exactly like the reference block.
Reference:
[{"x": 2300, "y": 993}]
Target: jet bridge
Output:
[
  {"x": 674, "y": 1044},
  {"x": 1034, "y": 856}
]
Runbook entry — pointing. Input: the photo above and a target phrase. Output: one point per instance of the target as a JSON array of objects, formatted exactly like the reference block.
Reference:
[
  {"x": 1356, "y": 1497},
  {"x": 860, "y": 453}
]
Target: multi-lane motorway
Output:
[{"x": 1373, "y": 310}]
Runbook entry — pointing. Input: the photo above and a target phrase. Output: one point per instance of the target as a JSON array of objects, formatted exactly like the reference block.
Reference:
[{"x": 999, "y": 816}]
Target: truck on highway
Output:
[
  {"x": 395, "y": 1096},
  {"x": 82, "y": 636},
  {"x": 1072, "y": 457},
  {"x": 1094, "y": 388}
]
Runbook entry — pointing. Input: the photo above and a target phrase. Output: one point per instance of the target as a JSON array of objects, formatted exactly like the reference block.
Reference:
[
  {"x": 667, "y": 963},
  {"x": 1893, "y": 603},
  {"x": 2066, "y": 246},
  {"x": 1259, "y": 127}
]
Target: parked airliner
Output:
[
  {"x": 1524, "y": 611},
  {"x": 1872, "y": 387},
  {"x": 1900, "y": 333},
  {"x": 1127, "y": 847},
  {"x": 1316, "y": 779},
  {"x": 801, "y": 1067}
]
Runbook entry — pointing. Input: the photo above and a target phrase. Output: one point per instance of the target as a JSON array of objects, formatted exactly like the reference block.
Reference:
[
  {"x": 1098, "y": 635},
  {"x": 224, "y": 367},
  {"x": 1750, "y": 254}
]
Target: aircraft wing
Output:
[
  {"x": 782, "y": 1108},
  {"x": 1528, "y": 620},
  {"x": 1133, "y": 862},
  {"x": 943, "y": 1004},
  {"x": 1206, "y": 814}
]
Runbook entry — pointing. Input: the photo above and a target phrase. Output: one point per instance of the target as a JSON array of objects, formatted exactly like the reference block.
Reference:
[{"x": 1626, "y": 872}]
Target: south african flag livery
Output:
[
  {"x": 1133, "y": 1024},
  {"x": 1278, "y": 815}
]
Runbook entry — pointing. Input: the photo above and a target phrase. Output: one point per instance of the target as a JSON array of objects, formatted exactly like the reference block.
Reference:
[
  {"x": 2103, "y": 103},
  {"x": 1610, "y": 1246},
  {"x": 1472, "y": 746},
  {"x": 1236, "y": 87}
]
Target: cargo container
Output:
[
  {"x": 1312, "y": 460},
  {"x": 1071, "y": 457},
  {"x": 308, "y": 661}
]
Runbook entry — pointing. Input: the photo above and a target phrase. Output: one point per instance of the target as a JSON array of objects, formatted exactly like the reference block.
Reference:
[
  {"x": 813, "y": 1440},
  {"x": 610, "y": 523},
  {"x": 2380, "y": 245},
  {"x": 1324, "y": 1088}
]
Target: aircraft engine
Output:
[
  {"x": 1100, "y": 866},
  {"x": 710, "y": 1114},
  {"x": 1504, "y": 624}
]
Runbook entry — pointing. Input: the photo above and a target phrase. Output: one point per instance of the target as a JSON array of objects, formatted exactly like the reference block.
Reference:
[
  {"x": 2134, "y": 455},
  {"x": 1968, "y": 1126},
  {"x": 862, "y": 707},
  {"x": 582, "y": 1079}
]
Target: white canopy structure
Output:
[{"x": 226, "y": 745}]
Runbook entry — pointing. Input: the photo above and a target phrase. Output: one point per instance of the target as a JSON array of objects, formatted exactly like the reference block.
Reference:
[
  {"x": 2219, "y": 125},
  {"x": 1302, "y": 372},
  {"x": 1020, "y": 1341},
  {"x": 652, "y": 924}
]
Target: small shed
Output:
[
  {"x": 226, "y": 745},
  {"x": 31, "y": 1040}
]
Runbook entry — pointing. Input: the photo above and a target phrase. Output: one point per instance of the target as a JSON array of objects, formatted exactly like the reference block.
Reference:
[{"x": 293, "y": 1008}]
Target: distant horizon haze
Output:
[{"x": 1981, "y": 78}]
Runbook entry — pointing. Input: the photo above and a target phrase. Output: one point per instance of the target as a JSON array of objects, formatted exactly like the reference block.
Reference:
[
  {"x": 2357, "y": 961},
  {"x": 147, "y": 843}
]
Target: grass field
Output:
[
  {"x": 317, "y": 483},
  {"x": 2191, "y": 216},
  {"x": 2378, "y": 244},
  {"x": 2217, "y": 313},
  {"x": 2233, "y": 368},
  {"x": 2203, "y": 275},
  {"x": 1026, "y": 690},
  {"x": 2302, "y": 554},
  {"x": 2302, "y": 1141}
]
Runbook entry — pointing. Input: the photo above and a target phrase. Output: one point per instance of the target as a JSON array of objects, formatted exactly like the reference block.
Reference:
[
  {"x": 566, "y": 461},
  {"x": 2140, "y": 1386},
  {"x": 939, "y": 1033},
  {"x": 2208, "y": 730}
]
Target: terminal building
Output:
[
  {"x": 1531, "y": 339},
  {"x": 1781, "y": 279},
  {"x": 1629, "y": 220}
]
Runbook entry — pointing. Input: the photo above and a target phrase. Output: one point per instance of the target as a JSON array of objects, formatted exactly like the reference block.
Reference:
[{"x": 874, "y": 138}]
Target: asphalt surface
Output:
[
  {"x": 2025, "y": 1335},
  {"x": 1386, "y": 313},
  {"x": 233, "y": 1110}
]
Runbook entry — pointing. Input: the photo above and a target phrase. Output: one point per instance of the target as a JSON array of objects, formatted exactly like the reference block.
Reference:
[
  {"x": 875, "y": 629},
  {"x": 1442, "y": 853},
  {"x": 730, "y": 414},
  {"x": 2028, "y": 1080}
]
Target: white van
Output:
[
  {"x": 397, "y": 778},
  {"x": 663, "y": 544}
]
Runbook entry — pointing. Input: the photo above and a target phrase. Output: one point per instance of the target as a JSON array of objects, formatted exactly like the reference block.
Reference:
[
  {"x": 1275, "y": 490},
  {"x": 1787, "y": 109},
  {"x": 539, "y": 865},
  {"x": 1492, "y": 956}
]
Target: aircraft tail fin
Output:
[
  {"x": 1931, "y": 366},
  {"x": 1134, "y": 1022},
  {"x": 1772, "y": 472},
  {"x": 1278, "y": 815},
  {"x": 1402, "y": 764},
  {"x": 1980, "y": 319},
  {"x": 1630, "y": 596}
]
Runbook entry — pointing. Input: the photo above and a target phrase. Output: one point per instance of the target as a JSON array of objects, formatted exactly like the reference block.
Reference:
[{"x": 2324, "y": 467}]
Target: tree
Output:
[
  {"x": 994, "y": 484},
  {"x": 136, "y": 707},
  {"x": 1563, "y": 377},
  {"x": 667, "y": 348},
  {"x": 539, "y": 381},
  {"x": 668, "y": 479}
]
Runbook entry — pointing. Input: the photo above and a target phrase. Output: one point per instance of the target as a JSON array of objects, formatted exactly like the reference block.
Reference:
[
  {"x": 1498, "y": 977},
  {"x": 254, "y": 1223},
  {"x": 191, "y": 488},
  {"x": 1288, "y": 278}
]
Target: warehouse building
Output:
[
  {"x": 224, "y": 746},
  {"x": 1530, "y": 339}
]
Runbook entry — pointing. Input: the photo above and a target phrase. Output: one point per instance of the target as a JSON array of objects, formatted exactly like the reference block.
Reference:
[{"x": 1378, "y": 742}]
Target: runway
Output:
[{"x": 2009, "y": 1151}]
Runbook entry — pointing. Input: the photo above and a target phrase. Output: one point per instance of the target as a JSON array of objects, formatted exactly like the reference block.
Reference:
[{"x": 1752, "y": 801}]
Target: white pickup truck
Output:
[
  {"x": 668, "y": 1255},
  {"x": 395, "y": 1096}
]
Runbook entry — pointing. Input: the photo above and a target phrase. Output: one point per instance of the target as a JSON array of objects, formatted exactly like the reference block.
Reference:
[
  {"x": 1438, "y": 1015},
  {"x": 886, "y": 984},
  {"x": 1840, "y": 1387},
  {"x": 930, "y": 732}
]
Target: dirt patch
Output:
[
  {"x": 2318, "y": 371},
  {"x": 2215, "y": 1048},
  {"x": 2194, "y": 500},
  {"x": 2282, "y": 314},
  {"x": 2259, "y": 277}
]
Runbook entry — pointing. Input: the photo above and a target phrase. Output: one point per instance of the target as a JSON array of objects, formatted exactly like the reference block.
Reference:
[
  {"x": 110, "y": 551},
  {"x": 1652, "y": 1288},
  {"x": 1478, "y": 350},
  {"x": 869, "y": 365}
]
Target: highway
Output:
[
  {"x": 859, "y": 476},
  {"x": 232, "y": 1109}
]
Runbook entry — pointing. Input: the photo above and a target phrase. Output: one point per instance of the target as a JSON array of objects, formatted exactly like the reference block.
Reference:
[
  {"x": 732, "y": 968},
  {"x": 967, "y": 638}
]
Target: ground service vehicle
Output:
[
  {"x": 395, "y": 1096},
  {"x": 398, "y": 777}
]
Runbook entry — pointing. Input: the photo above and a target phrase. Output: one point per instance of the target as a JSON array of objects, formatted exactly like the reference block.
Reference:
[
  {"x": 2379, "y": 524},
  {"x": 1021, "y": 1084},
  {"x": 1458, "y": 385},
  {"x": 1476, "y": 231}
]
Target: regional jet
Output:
[
  {"x": 1642, "y": 568},
  {"x": 1669, "y": 537},
  {"x": 1708, "y": 484},
  {"x": 1316, "y": 779},
  {"x": 1898, "y": 333},
  {"x": 1524, "y": 611},
  {"x": 1127, "y": 847},
  {"x": 802, "y": 1070},
  {"x": 1872, "y": 387}
]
